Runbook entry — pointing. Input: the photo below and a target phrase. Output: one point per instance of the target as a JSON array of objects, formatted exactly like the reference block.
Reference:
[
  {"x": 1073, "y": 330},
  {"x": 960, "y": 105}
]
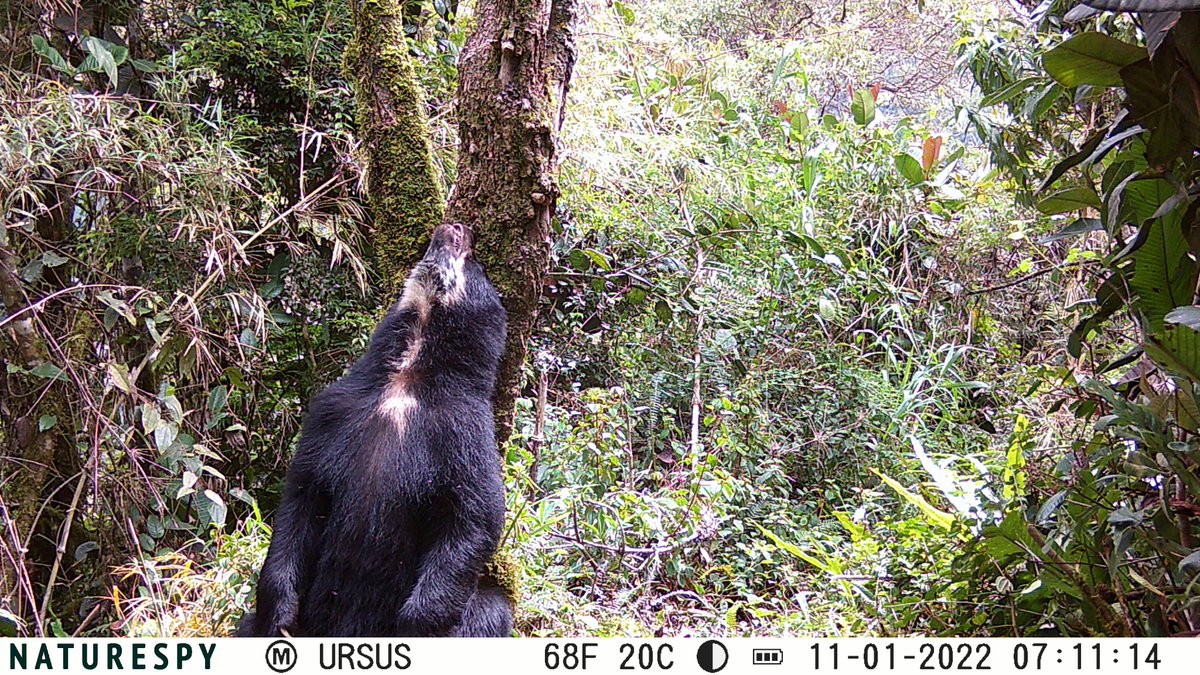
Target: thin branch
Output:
[
  {"x": 632, "y": 550},
  {"x": 1028, "y": 277}
]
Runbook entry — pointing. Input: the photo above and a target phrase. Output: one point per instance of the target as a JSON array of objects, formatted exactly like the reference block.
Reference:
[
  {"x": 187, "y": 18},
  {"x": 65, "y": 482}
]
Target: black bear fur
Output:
[{"x": 394, "y": 502}]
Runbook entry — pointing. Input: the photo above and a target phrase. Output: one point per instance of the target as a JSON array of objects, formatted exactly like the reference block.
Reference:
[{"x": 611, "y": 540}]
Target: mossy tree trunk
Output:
[
  {"x": 513, "y": 77},
  {"x": 36, "y": 449},
  {"x": 403, "y": 188}
]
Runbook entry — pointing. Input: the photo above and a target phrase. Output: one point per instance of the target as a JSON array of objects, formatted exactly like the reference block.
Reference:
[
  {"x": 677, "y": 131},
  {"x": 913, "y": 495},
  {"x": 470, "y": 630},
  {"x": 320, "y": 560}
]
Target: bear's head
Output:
[{"x": 449, "y": 276}]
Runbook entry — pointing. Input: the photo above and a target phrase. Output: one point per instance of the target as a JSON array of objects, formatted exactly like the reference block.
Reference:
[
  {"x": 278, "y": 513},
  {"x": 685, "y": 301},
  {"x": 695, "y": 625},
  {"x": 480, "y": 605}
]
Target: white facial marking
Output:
[
  {"x": 397, "y": 403},
  {"x": 420, "y": 293},
  {"x": 417, "y": 294},
  {"x": 455, "y": 281}
]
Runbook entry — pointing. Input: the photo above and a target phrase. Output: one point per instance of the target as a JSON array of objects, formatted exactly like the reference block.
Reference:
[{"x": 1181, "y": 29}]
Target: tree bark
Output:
[
  {"x": 514, "y": 73},
  {"x": 30, "y": 457},
  {"x": 403, "y": 187}
]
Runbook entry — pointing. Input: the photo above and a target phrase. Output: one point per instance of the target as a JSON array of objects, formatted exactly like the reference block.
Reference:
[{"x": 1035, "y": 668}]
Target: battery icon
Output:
[{"x": 767, "y": 657}]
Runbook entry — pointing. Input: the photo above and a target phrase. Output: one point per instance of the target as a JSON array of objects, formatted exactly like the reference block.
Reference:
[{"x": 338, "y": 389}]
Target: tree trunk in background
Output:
[
  {"x": 33, "y": 460},
  {"x": 403, "y": 188},
  {"x": 513, "y": 77}
]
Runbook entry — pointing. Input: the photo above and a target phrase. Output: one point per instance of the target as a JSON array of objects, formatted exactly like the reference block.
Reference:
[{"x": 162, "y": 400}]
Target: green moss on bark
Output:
[{"x": 403, "y": 186}]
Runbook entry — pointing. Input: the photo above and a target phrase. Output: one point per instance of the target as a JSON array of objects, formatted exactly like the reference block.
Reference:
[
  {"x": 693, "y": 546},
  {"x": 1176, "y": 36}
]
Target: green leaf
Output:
[
  {"x": 1007, "y": 92},
  {"x": 150, "y": 418},
  {"x": 174, "y": 408},
  {"x": 1091, "y": 58},
  {"x": 217, "y": 398},
  {"x": 119, "y": 372},
  {"x": 47, "y": 422},
  {"x": 142, "y": 65},
  {"x": 1177, "y": 346},
  {"x": 812, "y": 173},
  {"x": 1051, "y": 506},
  {"x": 49, "y": 371},
  {"x": 155, "y": 527},
  {"x": 216, "y": 508},
  {"x": 626, "y": 14},
  {"x": 579, "y": 260},
  {"x": 664, "y": 311},
  {"x": 799, "y": 124},
  {"x": 33, "y": 270},
  {"x": 52, "y": 259},
  {"x": 862, "y": 107},
  {"x": 599, "y": 259},
  {"x": 1164, "y": 276},
  {"x": 785, "y": 59},
  {"x": 795, "y": 550},
  {"x": 106, "y": 55},
  {"x": 1075, "y": 228},
  {"x": 1069, "y": 199},
  {"x": 910, "y": 168},
  {"x": 1074, "y": 159},
  {"x": 935, "y": 515},
  {"x": 164, "y": 436},
  {"x": 43, "y": 49}
]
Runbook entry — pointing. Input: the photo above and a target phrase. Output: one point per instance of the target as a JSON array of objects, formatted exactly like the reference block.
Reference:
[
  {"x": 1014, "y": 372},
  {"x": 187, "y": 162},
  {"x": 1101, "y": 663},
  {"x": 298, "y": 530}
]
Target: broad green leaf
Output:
[
  {"x": 155, "y": 527},
  {"x": 1164, "y": 276},
  {"x": 1069, "y": 199},
  {"x": 33, "y": 270},
  {"x": 216, "y": 508},
  {"x": 106, "y": 55},
  {"x": 217, "y": 398},
  {"x": 1143, "y": 199},
  {"x": 1177, "y": 346},
  {"x": 579, "y": 260},
  {"x": 47, "y": 422},
  {"x": 142, "y": 65},
  {"x": 52, "y": 259},
  {"x": 49, "y": 371},
  {"x": 119, "y": 372},
  {"x": 799, "y": 124},
  {"x": 1091, "y": 58},
  {"x": 150, "y": 418},
  {"x": 910, "y": 168},
  {"x": 1051, "y": 506},
  {"x": 43, "y": 49},
  {"x": 164, "y": 436},
  {"x": 663, "y": 310},
  {"x": 935, "y": 515},
  {"x": 174, "y": 408},
  {"x": 599, "y": 259},
  {"x": 862, "y": 107}
]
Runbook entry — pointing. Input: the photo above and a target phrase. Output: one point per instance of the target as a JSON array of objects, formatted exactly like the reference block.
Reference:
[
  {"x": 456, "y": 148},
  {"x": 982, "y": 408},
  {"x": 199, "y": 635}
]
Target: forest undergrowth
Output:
[{"x": 805, "y": 340}]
